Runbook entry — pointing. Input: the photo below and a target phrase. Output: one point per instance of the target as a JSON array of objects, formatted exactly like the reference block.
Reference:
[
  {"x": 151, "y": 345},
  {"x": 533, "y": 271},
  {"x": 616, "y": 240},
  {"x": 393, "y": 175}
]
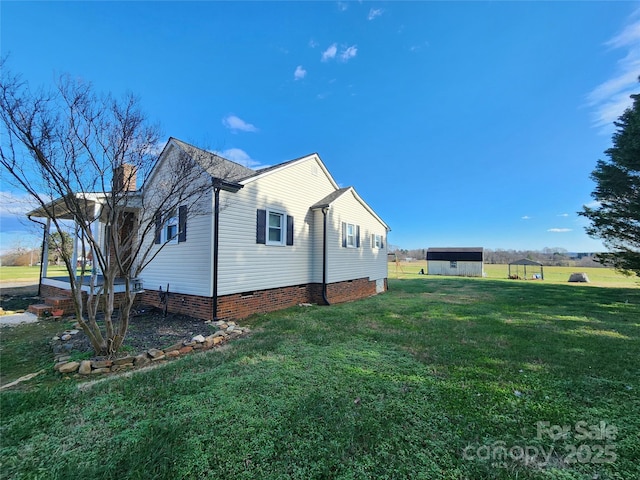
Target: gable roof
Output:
[
  {"x": 234, "y": 172},
  {"x": 333, "y": 196},
  {"x": 290, "y": 163},
  {"x": 464, "y": 254},
  {"x": 329, "y": 199},
  {"x": 525, "y": 261},
  {"x": 214, "y": 164}
]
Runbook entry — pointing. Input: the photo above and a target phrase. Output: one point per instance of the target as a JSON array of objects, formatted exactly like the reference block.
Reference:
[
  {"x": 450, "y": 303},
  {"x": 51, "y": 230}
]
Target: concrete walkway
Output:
[{"x": 17, "y": 319}]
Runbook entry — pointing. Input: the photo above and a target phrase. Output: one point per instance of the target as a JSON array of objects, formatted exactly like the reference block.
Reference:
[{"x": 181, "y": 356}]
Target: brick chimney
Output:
[{"x": 124, "y": 178}]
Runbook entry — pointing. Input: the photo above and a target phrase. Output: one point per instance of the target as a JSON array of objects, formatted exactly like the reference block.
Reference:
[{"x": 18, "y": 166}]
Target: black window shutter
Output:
[
  {"x": 381, "y": 241},
  {"x": 373, "y": 240},
  {"x": 357, "y": 236},
  {"x": 261, "y": 226},
  {"x": 182, "y": 223},
  {"x": 344, "y": 234},
  {"x": 289, "y": 230},
  {"x": 158, "y": 220}
]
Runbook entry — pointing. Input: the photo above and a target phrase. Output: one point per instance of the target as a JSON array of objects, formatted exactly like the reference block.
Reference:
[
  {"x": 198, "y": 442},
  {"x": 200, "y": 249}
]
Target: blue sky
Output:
[{"x": 460, "y": 123}]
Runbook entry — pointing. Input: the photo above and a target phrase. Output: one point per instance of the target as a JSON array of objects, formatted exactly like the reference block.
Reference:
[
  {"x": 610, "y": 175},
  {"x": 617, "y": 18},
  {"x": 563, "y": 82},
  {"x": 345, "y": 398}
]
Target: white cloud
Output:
[
  {"x": 239, "y": 156},
  {"x": 563, "y": 215},
  {"x": 313, "y": 43},
  {"x": 560, "y": 230},
  {"x": 349, "y": 53},
  {"x": 300, "y": 73},
  {"x": 374, "y": 12},
  {"x": 329, "y": 53},
  {"x": 342, "y": 6},
  {"x": 526, "y": 217},
  {"x": 236, "y": 124},
  {"x": 610, "y": 99},
  {"x": 593, "y": 204},
  {"x": 16, "y": 204}
]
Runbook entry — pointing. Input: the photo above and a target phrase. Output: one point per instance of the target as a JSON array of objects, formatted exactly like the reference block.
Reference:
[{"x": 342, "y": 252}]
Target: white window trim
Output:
[
  {"x": 283, "y": 228},
  {"x": 172, "y": 221},
  {"x": 353, "y": 236}
]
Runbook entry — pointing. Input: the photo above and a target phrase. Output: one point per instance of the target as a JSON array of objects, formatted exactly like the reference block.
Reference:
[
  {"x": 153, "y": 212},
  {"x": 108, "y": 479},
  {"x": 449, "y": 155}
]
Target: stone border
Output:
[{"x": 227, "y": 331}]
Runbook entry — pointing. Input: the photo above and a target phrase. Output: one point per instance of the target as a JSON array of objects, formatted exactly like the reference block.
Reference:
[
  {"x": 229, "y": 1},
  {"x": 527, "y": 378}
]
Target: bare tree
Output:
[{"x": 79, "y": 155}]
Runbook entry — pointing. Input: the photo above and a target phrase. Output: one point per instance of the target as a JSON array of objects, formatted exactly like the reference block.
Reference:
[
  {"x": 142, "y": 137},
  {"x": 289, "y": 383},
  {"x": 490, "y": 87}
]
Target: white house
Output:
[
  {"x": 282, "y": 235},
  {"x": 287, "y": 234},
  {"x": 462, "y": 262}
]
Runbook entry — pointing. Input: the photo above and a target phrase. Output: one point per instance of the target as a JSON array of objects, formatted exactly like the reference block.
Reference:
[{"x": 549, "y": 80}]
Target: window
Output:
[
  {"x": 274, "y": 227},
  {"x": 275, "y": 236},
  {"x": 172, "y": 226},
  {"x": 350, "y": 235},
  {"x": 453, "y": 264},
  {"x": 377, "y": 241}
]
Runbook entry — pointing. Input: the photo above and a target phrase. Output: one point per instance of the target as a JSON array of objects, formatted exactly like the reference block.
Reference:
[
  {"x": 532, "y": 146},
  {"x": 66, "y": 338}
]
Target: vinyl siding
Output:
[
  {"x": 350, "y": 263},
  {"x": 185, "y": 266},
  {"x": 464, "y": 269},
  {"x": 245, "y": 265}
]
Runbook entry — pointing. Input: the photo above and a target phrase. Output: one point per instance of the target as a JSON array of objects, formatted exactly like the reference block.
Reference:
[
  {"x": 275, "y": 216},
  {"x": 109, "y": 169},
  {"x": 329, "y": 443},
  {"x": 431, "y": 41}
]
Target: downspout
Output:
[
  {"x": 216, "y": 222},
  {"x": 228, "y": 186},
  {"x": 325, "y": 210},
  {"x": 44, "y": 240}
]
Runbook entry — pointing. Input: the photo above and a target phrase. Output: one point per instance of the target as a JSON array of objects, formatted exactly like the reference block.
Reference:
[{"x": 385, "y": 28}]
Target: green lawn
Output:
[
  {"x": 15, "y": 274},
  {"x": 598, "y": 277},
  {"x": 440, "y": 378}
]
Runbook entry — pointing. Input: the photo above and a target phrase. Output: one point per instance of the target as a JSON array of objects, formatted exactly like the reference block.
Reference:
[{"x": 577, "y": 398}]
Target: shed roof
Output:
[
  {"x": 525, "y": 261},
  {"x": 455, "y": 249},
  {"x": 463, "y": 254}
]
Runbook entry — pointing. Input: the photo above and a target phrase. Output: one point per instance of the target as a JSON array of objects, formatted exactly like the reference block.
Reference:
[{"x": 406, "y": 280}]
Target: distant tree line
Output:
[
  {"x": 548, "y": 256},
  {"x": 20, "y": 255}
]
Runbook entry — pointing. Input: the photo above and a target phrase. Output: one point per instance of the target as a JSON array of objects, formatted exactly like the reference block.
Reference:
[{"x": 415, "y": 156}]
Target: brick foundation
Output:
[
  {"x": 241, "y": 305},
  {"x": 238, "y": 305},
  {"x": 61, "y": 298}
]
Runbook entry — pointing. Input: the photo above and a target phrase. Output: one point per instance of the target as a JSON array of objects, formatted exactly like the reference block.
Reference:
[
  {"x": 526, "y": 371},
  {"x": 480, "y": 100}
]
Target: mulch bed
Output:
[{"x": 149, "y": 328}]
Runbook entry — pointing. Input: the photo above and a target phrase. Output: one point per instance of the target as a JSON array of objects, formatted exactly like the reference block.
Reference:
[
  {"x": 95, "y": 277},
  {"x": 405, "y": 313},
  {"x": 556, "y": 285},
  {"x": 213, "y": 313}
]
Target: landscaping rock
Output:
[
  {"x": 154, "y": 353},
  {"x": 124, "y": 360},
  {"x": 142, "y": 360},
  {"x": 101, "y": 363},
  {"x": 579, "y": 277},
  {"x": 124, "y": 366},
  {"x": 85, "y": 367},
  {"x": 68, "y": 367},
  {"x": 175, "y": 346},
  {"x": 74, "y": 339}
]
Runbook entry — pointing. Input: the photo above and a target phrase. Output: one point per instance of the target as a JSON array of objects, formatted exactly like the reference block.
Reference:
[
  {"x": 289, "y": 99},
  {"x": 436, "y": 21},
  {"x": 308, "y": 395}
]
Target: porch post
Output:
[
  {"x": 74, "y": 254},
  {"x": 97, "y": 239},
  {"x": 45, "y": 250}
]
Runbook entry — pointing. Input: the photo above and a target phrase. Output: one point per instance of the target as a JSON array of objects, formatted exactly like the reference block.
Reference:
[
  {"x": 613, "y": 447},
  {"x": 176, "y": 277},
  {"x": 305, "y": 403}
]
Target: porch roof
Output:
[{"x": 59, "y": 208}]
